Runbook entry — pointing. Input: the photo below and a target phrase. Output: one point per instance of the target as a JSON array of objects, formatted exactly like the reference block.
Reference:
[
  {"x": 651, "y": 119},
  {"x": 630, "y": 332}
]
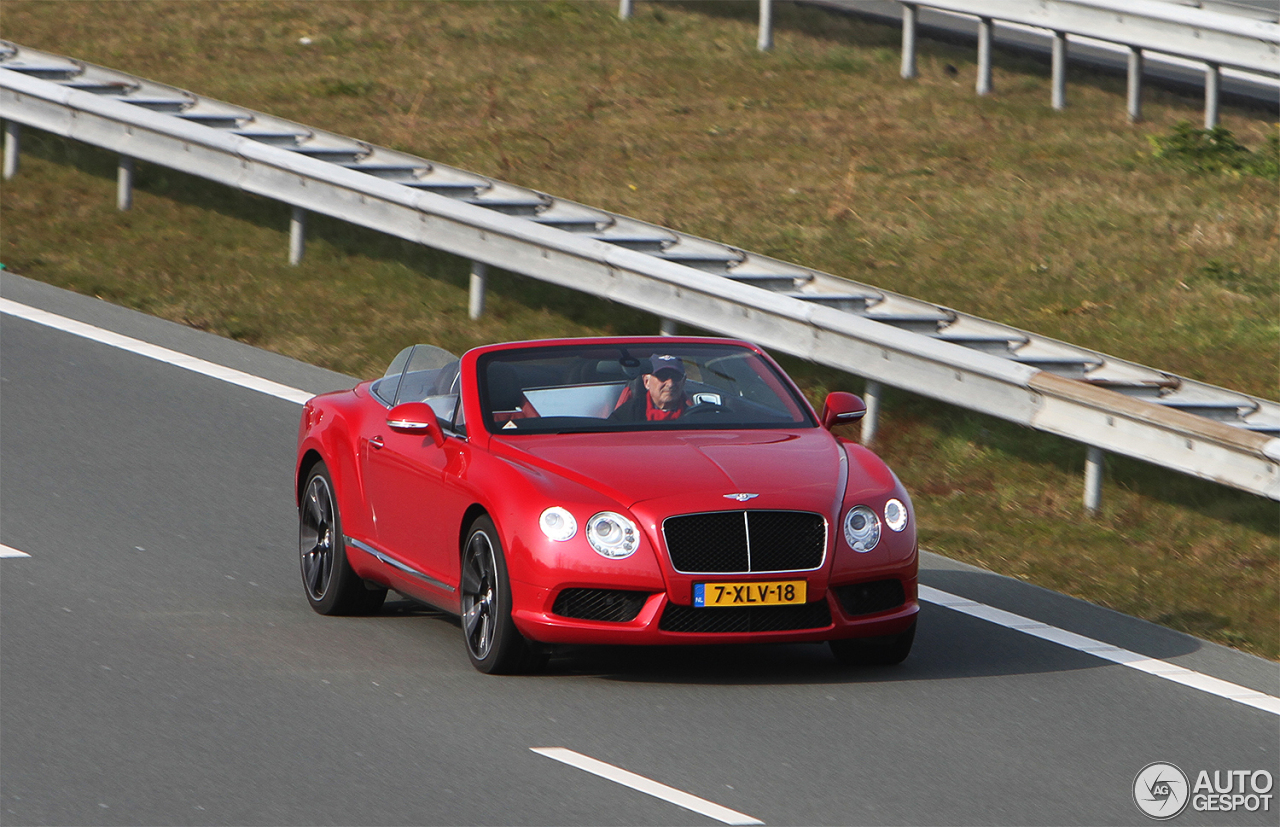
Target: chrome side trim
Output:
[
  {"x": 382, "y": 557},
  {"x": 407, "y": 425}
]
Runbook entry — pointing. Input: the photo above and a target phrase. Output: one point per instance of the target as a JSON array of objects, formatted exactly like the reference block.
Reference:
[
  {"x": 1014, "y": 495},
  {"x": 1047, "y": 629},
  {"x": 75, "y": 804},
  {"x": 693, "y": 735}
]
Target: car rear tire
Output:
[
  {"x": 889, "y": 650},
  {"x": 331, "y": 586},
  {"x": 494, "y": 644}
]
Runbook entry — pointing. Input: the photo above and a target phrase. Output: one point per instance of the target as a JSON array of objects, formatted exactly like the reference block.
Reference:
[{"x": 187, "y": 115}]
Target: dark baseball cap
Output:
[{"x": 666, "y": 362}]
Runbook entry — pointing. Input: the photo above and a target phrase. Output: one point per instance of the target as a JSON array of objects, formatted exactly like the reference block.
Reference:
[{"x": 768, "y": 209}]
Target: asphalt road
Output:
[{"x": 160, "y": 665}]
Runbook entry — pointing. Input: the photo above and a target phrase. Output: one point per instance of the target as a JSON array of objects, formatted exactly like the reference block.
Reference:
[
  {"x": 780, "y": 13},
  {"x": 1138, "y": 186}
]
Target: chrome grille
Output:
[{"x": 742, "y": 542}]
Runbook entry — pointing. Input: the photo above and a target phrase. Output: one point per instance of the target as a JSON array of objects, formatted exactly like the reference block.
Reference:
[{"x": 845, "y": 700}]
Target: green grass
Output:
[
  {"x": 1064, "y": 223},
  {"x": 1216, "y": 150}
]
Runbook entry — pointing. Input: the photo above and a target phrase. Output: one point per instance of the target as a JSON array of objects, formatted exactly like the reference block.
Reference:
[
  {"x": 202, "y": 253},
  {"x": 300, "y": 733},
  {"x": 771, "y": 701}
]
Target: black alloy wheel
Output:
[
  {"x": 331, "y": 586},
  {"x": 494, "y": 644}
]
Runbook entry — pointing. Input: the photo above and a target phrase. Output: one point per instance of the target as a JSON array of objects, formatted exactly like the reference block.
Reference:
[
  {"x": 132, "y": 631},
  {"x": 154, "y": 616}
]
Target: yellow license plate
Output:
[{"x": 758, "y": 593}]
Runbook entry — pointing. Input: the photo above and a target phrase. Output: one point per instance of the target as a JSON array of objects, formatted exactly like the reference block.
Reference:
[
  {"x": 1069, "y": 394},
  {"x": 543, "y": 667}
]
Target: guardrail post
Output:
[
  {"x": 985, "y": 26},
  {"x": 667, "y": 327},
  {"x": 1212, "y": 86},
  {"x": 871, "y": 419},
  {"x": 764, "y": 42},
  {"x": 475, "y": 301},
  {"x": 625, "y": 9},
  {"x": 124, "y": 182},
  {"x": 1093, "y": 461},
  {"x": 297, "y": 235},
  {"x": 12, "y": 143},
  {"x": 1059, "y": 70},
  {"x": 909, "y": 14},
  {"x": 1135, "y": 84}
]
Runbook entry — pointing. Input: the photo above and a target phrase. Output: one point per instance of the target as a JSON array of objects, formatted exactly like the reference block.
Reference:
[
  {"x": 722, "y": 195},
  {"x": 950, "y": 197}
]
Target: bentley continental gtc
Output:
[{"x": 638, "y": 490}]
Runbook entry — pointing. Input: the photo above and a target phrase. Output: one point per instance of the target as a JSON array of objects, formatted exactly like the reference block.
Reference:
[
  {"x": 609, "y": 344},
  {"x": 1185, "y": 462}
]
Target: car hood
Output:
[{"x": 802, "y": 465}]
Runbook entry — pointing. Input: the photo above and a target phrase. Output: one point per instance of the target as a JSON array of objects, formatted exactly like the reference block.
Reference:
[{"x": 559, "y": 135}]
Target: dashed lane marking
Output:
[{"x": 646, "y": 786}]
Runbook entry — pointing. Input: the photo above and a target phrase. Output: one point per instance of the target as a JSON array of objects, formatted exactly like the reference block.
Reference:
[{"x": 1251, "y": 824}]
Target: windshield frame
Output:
[{"x": 633, "y": 356}]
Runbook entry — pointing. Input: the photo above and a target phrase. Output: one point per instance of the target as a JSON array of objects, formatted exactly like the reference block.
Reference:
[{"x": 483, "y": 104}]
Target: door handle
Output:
[{"x": 376, "y": 442}]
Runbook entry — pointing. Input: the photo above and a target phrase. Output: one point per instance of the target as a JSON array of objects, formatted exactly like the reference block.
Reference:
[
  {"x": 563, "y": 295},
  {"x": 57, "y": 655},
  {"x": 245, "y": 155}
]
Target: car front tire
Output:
[
  {"x": 494, "y": 644},
  {"x": 331, "y": 586}
]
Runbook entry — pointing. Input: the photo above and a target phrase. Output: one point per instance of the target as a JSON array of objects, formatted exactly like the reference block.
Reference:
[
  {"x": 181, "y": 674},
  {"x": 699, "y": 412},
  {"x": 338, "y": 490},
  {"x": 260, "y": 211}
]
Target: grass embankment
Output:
[{"x": 1060, "y": 222}]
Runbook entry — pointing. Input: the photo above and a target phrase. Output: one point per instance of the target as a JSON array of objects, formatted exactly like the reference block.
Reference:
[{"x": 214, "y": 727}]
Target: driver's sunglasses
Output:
[{"x": 665, "y": 375}]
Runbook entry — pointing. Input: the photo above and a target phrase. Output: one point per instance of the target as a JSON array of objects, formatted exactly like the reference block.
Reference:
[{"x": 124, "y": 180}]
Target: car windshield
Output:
[{"x": 581, "y": 388}]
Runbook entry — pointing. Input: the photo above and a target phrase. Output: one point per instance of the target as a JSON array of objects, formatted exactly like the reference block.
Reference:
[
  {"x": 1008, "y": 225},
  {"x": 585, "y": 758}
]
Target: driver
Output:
[{"x": 664, "y": 397}]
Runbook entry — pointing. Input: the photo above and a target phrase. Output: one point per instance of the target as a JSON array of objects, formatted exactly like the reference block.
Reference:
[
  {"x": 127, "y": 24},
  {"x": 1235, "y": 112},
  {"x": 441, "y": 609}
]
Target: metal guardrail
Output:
[
  {"x": 1212, "y": 36},
  {"x": 1105, "y": 403},
  {"x": 1219, "y": 34},
  {"x": 1207, "y": 35}
]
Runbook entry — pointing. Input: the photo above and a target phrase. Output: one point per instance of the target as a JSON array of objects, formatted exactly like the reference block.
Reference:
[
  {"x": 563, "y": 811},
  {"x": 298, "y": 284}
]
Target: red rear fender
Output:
[{"x": 327, "y": 432}]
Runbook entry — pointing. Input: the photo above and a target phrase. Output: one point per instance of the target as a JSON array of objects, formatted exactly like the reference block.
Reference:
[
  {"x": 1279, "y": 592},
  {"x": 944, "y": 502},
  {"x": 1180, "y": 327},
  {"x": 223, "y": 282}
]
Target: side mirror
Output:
[
  {"x": 415, "y": 418},
  {"x": 842, "y": 407}
]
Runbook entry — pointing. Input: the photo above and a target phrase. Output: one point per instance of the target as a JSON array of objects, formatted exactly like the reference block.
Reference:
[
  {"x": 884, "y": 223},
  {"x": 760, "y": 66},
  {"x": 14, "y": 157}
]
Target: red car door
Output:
[{"x": 411, "y": 483}]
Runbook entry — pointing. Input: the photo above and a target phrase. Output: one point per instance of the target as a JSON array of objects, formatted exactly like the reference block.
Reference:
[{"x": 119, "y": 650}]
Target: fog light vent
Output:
[
  {"x": 613, "y": 605},
  {"x": 868, "y": 598}
]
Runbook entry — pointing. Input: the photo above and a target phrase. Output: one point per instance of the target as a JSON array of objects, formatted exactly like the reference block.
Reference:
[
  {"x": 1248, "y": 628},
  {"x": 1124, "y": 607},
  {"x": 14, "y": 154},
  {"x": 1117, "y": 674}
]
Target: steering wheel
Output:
[{"x": 704, "y": 408}]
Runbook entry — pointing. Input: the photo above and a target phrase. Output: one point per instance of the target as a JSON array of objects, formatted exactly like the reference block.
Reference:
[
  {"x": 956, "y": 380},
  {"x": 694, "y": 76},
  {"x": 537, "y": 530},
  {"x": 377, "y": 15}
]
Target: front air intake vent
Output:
[
  {"x": 869, "y": 598},
  {"x": 613, "y": 605},
  {"x": 814, "y": 615}
]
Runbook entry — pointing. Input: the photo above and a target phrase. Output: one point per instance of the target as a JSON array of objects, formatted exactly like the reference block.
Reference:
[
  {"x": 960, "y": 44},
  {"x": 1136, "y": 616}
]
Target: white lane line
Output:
[
  {"x": 644, "y": 785},
  {"x": 171, "y": 357},
  {"x": 5, "y": 551},
  {"x": 1097, "y": 648},
  {"x": 1080, "y": 643}
]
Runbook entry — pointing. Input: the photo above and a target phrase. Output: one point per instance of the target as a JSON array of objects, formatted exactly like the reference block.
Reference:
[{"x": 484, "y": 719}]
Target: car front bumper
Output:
[{"x": 662, "y": 622}]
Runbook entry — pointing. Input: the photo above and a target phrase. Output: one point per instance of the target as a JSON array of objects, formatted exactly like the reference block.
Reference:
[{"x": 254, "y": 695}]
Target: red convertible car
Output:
[{"x": 642, "y": 490}]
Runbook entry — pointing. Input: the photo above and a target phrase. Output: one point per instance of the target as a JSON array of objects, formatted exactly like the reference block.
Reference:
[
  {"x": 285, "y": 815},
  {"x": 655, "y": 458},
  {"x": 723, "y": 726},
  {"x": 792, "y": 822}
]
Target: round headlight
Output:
[
  {"x": 612, "y": 535},
  {"x": 861, "y": 528},
  {"x": 895, "y": 515},
  {"x": 558, "y": 524}
]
